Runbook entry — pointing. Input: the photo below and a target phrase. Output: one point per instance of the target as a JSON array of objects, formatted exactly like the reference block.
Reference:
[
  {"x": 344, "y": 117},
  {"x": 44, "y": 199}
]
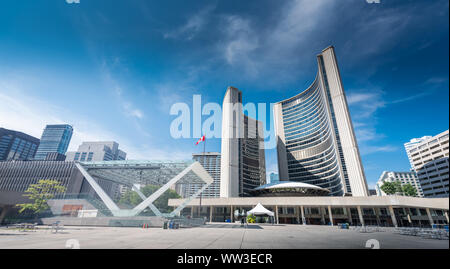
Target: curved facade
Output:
[{"x": 315, "y": 138}]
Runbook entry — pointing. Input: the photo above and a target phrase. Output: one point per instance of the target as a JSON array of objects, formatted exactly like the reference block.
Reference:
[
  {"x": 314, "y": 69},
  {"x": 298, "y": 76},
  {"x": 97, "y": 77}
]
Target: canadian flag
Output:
[{"x": 200, "y": 140}]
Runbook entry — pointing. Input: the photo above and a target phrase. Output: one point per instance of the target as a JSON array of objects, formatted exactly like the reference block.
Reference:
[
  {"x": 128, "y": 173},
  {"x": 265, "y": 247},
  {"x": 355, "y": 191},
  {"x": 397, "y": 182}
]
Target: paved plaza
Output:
[{"x": 212, "y": 236}]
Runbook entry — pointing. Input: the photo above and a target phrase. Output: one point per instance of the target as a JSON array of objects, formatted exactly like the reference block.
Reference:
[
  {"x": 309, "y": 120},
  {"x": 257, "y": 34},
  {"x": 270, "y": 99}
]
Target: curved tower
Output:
[{"x": 316, "y": 143}]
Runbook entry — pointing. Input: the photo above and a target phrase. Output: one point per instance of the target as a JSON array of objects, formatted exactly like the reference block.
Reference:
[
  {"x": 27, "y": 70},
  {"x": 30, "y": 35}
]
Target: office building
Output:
[
  {"x": 55, "y": 138},
  {"x": 430, "y": 161},
  {"x": 243, "y": 161},
  {"x": 402, "y": 177},
  {"x": 372, "y": 192},
  {"x": 97, "y": 151},
  {"x": 55, "y": 156},
  {"x": 211, "y": 162},
  {"x": 413, "y": 143},
  {"x": 273, "y": 177},
  {"x": 316, "y": 143},
  {"x": 16, "y": 145}
]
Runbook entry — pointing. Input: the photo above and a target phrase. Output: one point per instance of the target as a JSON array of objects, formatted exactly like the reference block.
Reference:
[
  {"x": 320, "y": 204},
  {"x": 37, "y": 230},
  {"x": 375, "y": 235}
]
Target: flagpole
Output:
[{"x": 204, "y": 162}]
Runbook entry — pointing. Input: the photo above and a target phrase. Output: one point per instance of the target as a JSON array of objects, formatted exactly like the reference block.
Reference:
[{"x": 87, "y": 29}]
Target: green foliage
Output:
[
  {"x": 391, "y": 188},
  {"x": 396, "y": 187},
  {"x": 251, "y": 218},
  {"x": 40, "y": 193},
  {"x": 409, "y": 190},
  {"x": 133, "y": 199}
]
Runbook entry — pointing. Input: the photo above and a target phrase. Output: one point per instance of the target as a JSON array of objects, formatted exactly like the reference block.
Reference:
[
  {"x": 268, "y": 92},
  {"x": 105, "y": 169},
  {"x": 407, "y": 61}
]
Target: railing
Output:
[
  {"x": 185, "y": 222},
  {"x": 430, "y": 233}
]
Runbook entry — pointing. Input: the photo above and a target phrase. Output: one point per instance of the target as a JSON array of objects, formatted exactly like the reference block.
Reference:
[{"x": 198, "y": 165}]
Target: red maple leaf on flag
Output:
[{"x": 200, "y": 140}]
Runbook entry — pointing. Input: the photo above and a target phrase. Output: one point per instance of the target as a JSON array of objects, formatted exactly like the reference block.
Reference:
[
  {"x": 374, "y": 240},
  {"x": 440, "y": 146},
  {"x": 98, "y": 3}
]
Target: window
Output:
[{"x": 423, "y": 212}]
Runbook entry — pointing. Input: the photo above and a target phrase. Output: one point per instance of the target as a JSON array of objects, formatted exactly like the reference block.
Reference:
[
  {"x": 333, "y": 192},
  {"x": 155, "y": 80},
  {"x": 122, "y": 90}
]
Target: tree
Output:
[
  {"x": 40, "y": 193},
  {"x": 391, "y": 188},
  {"x": 251, "y": 218},
  {"x": 133, "y": 199},
  {"x": 130, "y": 198},
  {"x": 396, "y": 187},
  {"x": 409, "y": 190}
]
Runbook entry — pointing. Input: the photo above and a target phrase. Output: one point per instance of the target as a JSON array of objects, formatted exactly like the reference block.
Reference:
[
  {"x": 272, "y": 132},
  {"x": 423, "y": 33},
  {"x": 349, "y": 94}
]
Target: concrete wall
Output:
[{"x": 107, "y": 221}]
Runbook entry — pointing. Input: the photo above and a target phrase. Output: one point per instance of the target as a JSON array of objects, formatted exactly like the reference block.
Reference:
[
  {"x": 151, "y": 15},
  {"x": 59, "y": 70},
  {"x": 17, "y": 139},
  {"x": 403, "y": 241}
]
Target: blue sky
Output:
[{"x": 113, "y": 69}]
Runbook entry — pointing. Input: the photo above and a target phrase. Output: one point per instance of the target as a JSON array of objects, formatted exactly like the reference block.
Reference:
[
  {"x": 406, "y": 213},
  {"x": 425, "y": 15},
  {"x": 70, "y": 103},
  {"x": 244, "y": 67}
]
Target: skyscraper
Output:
[
  {"x": 413, "y": 143},
  {"x": 430, "y": 160},
  {"x": 17, "y": 145},
  {"x": 97, "y": 151},
  {"x": 211, "y": 162},
  {"x": 316, "y": 142},
  {"x": 55, "y": 138},
  {"x": 273, "y": 177},
  {"x": 402, "y": 177},
  {"x": 243, "y": 160}
]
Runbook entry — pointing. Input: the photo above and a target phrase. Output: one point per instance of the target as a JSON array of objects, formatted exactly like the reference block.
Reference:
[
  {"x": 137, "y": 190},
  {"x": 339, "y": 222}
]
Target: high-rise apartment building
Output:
[
  {"x": 97, "y": 151},
  {"x": 413, "y": 143},
  {"x": 430, "y": 161},
  {"x": 55, "y": 138},
  {"x": 243, "y": 160},
  {"x": 402, "y": 177},
  {"x": 316, "y": 143},
  {"x": 16, "y": 145},
  {"x": 211, "y": 162}
]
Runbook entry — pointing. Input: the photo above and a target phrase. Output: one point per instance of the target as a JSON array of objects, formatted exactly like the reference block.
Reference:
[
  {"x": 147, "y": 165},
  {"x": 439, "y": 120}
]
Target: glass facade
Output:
[
  {"x": 316, "y": 143},
  {"x": 306, "y": 125},
  {"x": 16, "y": 145},
  {"x": 55, "y": 138}
]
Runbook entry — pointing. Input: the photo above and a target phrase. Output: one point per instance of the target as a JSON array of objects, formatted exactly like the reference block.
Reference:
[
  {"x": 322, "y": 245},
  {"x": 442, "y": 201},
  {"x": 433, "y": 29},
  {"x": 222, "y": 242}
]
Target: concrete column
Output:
[
  {"x": 361, "y": 218},
  {"x": 210, "y": 213},
  {"x": 298, "y": 214},
  {"x": 302, "y": 211},
  {"x": 276, "y": 214},
  {"x": 331, "y": 215},
  {"x": 394, "y": 219},
  {"x": 377, "y": 214},
  {"x": 5, "y": 210},
  {"x": 192, "y": 211},
  {"x": 349, "y": 215},
  {"x": 430, "y": 218},
  {"x": 446, "y": 215},
  {"x": 322, "y": 213},
  {"x": 232, "y": 214}
]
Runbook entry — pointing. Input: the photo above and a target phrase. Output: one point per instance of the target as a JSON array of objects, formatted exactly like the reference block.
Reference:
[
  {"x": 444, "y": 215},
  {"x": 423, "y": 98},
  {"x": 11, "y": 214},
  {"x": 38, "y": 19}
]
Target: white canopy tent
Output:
[{"x": 260, "y": 210}]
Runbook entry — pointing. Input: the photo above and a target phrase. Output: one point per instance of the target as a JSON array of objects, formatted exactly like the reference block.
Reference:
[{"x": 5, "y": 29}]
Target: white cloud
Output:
[
  {"x": 131, "y": 111},
  {"x": 30, "y": 115},
  {"x": 277, "y": 48},
  {"x": 241, "y": 39},
  {"x": 365, "y": 102},
  {"x": 193, "y": 26},
  {"x": 365, "y": 150},
  {"x": 128, "y": 107}
]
